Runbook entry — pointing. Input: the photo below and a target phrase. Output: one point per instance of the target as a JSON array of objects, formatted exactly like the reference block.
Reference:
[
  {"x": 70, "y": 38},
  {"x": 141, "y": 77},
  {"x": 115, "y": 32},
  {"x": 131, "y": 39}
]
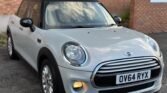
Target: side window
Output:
[
  {"x": 22, "y": 9},
  {"x": 36, "y": 13},
  {"x": 30, "y": 9}
]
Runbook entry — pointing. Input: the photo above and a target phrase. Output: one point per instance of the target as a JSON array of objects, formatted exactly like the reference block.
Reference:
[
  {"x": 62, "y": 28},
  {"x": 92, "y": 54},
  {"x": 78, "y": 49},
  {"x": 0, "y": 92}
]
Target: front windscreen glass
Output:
[{"x": 76, "y": 14}]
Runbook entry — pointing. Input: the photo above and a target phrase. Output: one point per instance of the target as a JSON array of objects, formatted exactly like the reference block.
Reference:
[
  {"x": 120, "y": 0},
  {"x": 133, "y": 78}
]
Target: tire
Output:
[
  {"x": 53, "y": 78},
  {"x": 10, "y": 48}
]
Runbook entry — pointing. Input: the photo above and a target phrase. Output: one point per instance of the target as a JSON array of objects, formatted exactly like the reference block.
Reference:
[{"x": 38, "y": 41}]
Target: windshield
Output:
[{"x": 76, "y": 14}]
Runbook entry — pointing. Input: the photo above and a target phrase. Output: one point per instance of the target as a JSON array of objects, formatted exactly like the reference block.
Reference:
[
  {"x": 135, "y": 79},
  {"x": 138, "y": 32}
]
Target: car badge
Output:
[{"x": 129, "y": 54}]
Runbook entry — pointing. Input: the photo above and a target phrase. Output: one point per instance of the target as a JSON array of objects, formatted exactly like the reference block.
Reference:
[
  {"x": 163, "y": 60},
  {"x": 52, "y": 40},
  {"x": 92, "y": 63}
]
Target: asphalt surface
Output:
[
  {"x": 19, "y": 77},
  {"x": 161, "y": 38}
]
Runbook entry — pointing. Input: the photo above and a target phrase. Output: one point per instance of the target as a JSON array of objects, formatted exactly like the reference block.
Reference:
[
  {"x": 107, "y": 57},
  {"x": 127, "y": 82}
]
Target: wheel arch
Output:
[
  {"x": 43, "y": 54},
  {"x": 8, "y": 30}
]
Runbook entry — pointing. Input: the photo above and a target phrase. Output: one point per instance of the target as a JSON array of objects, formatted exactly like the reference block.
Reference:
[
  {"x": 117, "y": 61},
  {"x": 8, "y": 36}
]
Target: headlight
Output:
[
  {"x": 154, "y": 45},
  {"x": 74, "y": 54}
]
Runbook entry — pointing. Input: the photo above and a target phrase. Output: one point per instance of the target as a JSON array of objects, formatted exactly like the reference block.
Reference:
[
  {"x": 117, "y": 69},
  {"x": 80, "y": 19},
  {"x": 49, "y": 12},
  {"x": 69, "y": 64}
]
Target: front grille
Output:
[
  {"x": 129, "y": 89},
  {"x": 105, "y": 75}
]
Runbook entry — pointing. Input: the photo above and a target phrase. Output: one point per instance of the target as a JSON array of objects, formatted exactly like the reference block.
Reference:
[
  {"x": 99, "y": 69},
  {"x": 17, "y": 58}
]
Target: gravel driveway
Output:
[{"x": 19, "y": 77}]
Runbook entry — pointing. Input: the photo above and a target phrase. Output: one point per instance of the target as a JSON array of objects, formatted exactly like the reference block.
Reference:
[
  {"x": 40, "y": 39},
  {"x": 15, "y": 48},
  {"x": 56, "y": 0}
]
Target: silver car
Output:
[{"x": 78, "y": 47}]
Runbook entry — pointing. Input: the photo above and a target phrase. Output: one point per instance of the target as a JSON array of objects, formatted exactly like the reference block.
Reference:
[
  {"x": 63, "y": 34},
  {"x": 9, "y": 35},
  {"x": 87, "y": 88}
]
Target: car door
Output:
[
  {"x": 16, "y": 29},
  {"x": 30, "y": 41}
]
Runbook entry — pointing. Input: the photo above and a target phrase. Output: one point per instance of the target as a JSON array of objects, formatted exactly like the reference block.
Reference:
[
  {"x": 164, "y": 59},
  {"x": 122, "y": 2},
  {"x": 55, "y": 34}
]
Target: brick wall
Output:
[
  {"x": 117, "y": 7},
  {"x": 8, "y": 7},
  {"x": 148, "y": 17}
]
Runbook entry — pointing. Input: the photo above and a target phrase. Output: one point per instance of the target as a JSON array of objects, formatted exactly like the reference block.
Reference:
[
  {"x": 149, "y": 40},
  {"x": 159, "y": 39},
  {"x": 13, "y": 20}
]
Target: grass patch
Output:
[{"x": 3, "y": 39}]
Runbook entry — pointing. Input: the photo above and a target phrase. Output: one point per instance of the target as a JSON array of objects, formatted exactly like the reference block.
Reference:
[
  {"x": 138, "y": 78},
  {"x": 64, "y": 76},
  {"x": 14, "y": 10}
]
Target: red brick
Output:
[
  {"x": 8, "y": 7},
  {"x": 148, "y": 17},
  {"x": 117, "y": 7}
]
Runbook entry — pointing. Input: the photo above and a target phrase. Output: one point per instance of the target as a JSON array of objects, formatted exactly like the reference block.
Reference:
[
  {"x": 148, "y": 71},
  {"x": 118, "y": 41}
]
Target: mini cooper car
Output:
[{"x": 77, "y": 46}]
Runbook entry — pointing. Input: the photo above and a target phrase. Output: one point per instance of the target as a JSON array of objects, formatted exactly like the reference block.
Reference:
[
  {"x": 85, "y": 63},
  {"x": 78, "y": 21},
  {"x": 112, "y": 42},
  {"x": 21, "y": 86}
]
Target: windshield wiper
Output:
[
  {"x": 93, "y": 26},
  {"x": 112, "y": 25},
  {"x": 89, "y": 26},
  {"x": 79, "y": 26}
]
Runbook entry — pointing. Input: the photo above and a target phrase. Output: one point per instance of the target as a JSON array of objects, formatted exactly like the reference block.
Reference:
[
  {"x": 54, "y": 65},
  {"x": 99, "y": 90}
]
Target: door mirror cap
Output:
[
  {"x": 27, "y": 22},
  {"x": 117, "y": 19}
]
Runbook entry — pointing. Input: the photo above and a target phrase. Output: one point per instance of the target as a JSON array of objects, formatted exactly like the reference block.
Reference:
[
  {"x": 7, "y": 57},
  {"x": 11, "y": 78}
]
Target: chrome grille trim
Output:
[
  {"x": 127, "y": 69},
  {"x": 128, "y": 62},
  {"x": 112, "y": 74},
  {"x": 146, "y": 63},
  {"x": 128, "y": 65}
]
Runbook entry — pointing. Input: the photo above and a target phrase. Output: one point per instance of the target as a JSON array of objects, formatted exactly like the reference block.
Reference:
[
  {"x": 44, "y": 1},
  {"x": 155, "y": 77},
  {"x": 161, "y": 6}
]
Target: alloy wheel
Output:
[
  {"x": 10, "y": 46},
  {"x": 47, "y": 81}
]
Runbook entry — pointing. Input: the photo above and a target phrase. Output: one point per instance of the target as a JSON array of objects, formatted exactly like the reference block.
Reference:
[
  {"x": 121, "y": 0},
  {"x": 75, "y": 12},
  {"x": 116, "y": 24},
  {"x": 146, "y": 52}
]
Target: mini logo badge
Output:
[{"x": 129, "y": 54}]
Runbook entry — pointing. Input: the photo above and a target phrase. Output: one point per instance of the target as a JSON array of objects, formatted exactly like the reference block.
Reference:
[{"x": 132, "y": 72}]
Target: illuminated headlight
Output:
[
  {"x": 74, "y": 54},
  {"x": 154, "y": 45}
]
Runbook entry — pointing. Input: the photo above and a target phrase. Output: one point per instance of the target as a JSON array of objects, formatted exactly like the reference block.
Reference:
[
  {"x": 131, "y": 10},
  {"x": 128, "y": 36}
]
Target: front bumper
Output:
[{"x": 69, "y": 76}]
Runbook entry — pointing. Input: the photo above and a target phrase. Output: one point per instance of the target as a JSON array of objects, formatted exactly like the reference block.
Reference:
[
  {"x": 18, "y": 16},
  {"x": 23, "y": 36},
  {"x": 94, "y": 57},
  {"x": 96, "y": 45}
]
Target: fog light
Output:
[{"x": 78, "y": 85}]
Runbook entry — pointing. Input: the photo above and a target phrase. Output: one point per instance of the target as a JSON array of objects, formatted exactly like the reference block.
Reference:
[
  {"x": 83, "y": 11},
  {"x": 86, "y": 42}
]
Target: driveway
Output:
[
  {"x": 161, "y": 38},
  {"x": 19, "y": 77}
]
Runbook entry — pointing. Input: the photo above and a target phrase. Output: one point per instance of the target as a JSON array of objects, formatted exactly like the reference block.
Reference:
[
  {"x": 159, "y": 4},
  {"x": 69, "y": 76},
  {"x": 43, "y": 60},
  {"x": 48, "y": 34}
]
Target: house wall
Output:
[
  {"x": 8, "y": 7},
  {"x": 117, "y": 7},
  {"x": 148, "y": 17}
]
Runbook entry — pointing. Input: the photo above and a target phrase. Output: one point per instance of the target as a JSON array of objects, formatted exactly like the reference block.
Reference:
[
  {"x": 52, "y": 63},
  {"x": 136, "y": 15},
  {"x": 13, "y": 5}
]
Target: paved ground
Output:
[
  {"x": 19, "y": 77},
  {"x": 161, "y": 38}
]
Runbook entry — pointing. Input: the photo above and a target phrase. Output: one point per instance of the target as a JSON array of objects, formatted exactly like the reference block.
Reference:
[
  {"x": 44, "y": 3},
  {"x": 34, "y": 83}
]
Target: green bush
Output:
[
  {"x": 125, "y": 16},
  {"x": 3, "y": 39},
  {"x": 125, "y": 19}
]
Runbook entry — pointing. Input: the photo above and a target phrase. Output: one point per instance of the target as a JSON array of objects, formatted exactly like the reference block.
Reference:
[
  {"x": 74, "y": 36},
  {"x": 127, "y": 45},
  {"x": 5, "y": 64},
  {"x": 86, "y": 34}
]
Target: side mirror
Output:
[
  {"x": 27, "y": 22},
  {"x": 117, "y": 19}
]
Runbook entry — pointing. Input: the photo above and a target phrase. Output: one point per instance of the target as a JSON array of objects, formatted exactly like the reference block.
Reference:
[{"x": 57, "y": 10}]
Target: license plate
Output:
[{"x": 133, "y": 77}]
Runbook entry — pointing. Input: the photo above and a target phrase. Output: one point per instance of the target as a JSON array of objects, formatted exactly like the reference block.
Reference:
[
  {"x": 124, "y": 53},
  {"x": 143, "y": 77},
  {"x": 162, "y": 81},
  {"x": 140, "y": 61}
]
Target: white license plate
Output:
[{"x": 133, "y": 77}]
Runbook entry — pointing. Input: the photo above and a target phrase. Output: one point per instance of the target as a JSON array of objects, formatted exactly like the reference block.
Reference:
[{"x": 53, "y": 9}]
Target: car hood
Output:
[{"x": 102, "y": 44}]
